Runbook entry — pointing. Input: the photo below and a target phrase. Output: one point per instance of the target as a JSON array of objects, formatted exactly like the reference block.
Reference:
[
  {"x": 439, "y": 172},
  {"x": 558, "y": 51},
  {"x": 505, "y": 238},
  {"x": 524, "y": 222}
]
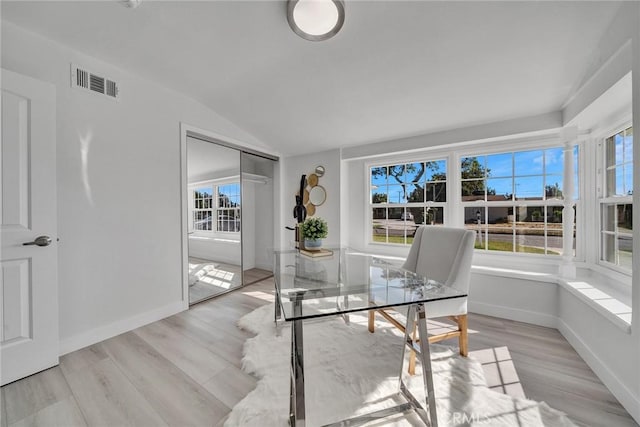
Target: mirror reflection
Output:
[
  {"x": 257, "y": 218},
  {"x": 317, "y": 195},
  {"x": 214, "y": 220}
]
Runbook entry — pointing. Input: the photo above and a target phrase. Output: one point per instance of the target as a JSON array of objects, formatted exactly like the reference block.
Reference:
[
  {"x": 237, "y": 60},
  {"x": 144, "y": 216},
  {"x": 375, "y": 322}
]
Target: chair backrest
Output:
[{"x": 443, "y": 254}]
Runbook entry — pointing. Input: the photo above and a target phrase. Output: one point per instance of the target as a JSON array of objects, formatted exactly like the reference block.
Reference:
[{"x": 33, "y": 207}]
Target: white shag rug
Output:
[{"x": 349, "y": 371}]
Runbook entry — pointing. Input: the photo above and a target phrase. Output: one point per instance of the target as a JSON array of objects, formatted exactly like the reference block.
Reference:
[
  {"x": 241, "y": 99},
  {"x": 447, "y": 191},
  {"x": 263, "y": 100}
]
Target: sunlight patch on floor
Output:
[
  {"x": 265, "y": 296},
  {"x": 499, "y": 370}
]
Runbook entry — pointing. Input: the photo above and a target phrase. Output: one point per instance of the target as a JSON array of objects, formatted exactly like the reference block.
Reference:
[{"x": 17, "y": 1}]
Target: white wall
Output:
[
  {"x": 614, "y": 354},
  {"x": 512, "y": 298},
  {"x": 292, "y": 169},
  {"x": 119, "y": 206},
  {"x": 541, "y": 122},
  {"x": 221, "y": 248}
]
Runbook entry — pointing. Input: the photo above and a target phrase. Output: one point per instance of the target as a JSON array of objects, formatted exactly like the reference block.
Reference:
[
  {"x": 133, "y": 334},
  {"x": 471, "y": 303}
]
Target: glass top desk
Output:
[{"x": 347, "y": 282}]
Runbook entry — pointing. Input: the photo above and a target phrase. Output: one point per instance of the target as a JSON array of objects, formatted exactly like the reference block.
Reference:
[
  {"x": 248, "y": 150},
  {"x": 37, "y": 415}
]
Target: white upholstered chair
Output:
[{"x": 443, "y": 254}]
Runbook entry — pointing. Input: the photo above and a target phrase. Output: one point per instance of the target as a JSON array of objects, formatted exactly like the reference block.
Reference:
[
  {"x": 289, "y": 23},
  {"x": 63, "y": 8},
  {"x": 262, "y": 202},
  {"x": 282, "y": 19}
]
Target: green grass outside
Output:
[
  {"x": 508, "y": 247},
  {"x": 392, "y": 239}
]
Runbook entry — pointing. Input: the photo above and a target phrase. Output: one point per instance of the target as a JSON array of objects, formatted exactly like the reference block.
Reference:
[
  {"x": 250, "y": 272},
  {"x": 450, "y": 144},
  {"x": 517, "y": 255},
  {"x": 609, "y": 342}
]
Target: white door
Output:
[{"x": 29, "y": 279}]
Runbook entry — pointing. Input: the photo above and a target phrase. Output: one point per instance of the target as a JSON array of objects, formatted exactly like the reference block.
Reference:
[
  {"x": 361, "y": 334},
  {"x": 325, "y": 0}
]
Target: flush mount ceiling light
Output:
[
  {"x": 315, "y": 20},
  {"x": 131, "y": 4}
]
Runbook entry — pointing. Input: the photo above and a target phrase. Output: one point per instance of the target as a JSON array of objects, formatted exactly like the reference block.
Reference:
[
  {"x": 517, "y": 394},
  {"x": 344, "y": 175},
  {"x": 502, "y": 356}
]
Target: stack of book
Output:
[{"x": 317, "y": 253}]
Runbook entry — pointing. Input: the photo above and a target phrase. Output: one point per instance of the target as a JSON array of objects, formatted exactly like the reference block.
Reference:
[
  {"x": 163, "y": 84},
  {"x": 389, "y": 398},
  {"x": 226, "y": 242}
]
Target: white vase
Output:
[{"x": 313, "y": 244}]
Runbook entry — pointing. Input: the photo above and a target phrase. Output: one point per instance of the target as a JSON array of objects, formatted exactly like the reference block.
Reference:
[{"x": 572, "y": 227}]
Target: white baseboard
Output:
[
  {"x": 102, "y": 333},
  {"x": 630, "y": 402},
  {"x": 516, "y": 314},
  {"x": 268, "y": 267}
]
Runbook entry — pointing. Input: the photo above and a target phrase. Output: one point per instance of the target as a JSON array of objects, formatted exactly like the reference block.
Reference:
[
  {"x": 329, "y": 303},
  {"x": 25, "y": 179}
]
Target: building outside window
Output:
[
  {"x": 616, "y": 202},
  {"x": 404, "y": 196},
  {"x": 221, "y": 202},
  {"x": 514, "y": 200}
]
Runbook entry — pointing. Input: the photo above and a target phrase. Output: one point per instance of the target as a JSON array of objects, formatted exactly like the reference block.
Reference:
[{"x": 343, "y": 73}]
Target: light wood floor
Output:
[
  {"x": 217, "y": 278},
  {"x": 185, "y": 370}
]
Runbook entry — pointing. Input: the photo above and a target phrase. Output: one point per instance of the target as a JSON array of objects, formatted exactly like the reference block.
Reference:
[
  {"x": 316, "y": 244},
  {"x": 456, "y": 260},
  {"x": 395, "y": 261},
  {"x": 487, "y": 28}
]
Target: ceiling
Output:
[
  {"x": 206, "y": 160},
  {"x": 396, "y": 69}
]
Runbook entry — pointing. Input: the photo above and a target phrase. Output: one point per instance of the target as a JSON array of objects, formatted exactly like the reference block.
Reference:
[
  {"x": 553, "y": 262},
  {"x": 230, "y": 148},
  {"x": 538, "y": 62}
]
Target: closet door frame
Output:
[{"x": 188, "y": 131}]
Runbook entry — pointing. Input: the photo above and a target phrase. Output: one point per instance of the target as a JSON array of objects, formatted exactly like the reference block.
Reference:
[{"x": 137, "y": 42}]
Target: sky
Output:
[
  {"x": 232, "y": 191},
  {"x": 534, "y": 170}
]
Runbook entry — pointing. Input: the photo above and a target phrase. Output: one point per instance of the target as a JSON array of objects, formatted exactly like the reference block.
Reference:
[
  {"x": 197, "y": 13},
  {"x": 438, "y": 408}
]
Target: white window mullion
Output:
[{"x": 453, "y": 213}]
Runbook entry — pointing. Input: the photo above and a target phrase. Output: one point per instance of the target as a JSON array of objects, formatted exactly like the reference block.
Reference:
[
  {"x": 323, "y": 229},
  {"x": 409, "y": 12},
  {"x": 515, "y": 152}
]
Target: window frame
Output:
[
  {"x": 214, "y": 185},
  {"x": 193, "y": 209},
  {"x": 514, "y": 202},
  {"x": 225, "y": 209},
  {"x": 602, "y": 199},
  {"x": 453, "y": 214},
  {"x": 405, "y": 205}
]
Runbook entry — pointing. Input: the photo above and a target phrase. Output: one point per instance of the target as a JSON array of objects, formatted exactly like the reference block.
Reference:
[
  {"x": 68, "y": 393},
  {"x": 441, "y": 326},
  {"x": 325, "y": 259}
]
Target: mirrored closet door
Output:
[
  {"x": 257, "y": 217},
  {"x": 230, "y": 217},
  {"x": 214, "y": 219}
]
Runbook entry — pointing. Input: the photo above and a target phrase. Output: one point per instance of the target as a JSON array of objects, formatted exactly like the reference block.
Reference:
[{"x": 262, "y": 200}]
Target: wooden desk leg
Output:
[
  {"x": 463, "y": 339},
  {"x": 372, "y": 319}
]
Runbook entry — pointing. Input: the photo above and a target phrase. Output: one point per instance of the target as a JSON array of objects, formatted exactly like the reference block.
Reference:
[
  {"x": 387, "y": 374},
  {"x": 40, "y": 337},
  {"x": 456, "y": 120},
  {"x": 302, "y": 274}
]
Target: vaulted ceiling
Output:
[{"x": 396, "y": 69}]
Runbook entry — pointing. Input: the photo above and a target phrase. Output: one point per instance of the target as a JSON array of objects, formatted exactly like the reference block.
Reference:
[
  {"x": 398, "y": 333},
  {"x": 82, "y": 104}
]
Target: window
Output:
[
  {"x": 221, "y": 202},
  {"x": 202, "y": 208},
  {"x": 404, "y": 196},
  {"x": 229, "y": 207},
  {"x": 616, "y": 204},
  {"x": 515, "y": 200}
]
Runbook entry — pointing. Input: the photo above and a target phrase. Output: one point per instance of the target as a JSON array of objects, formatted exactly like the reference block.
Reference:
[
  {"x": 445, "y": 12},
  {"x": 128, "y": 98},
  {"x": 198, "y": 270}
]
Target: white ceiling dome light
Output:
[
  {"x": 131, "y": 4},
  {"x": 315, "y": 20}
]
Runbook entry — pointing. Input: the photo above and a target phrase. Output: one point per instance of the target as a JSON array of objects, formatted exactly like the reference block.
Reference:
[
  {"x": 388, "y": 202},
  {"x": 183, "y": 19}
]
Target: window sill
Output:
[
  {"x": 221, "y": 239},
  {"x": 590, "y": 287}
]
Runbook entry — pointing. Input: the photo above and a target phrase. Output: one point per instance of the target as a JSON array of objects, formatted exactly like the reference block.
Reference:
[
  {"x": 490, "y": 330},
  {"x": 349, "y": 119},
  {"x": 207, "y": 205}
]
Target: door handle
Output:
[{"x": 39, "y": 241}]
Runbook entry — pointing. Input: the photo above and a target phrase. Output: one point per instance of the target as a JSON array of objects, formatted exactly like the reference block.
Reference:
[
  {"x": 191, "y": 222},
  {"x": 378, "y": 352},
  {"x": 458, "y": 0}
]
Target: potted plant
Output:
[{"x": 313, "y": 231}]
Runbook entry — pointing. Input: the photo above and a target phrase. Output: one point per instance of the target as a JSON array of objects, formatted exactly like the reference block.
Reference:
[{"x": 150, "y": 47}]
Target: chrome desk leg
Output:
[
  {"x": 411, "y": 316},
  {"x": 425, "y": 359},
  {"x": 278, "y": 309},
  {"x": 296, "y": 396},
  {"x": 427, "y": 415}
]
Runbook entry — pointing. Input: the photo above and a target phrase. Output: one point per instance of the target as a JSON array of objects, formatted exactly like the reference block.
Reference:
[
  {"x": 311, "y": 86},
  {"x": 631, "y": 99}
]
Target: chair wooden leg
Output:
[
  {"x": 372, "y": 318},
  {"x": 412, "y": 355},
  {"x": 463, "y": 339}
]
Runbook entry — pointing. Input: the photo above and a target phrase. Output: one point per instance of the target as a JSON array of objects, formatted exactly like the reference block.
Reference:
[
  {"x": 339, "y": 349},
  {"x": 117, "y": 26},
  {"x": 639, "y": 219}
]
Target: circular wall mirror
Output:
[
  {"x": 319, "y": 171},
  {"x": 317, "y": 195}
]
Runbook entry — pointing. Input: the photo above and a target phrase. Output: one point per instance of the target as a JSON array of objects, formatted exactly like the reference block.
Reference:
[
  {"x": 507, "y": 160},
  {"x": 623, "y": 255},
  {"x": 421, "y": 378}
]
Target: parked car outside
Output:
[{"x": 406, "y": 216}]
